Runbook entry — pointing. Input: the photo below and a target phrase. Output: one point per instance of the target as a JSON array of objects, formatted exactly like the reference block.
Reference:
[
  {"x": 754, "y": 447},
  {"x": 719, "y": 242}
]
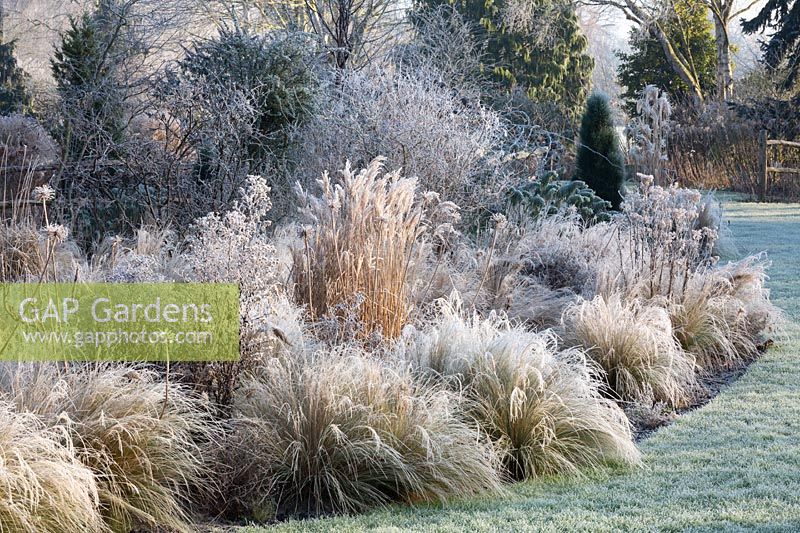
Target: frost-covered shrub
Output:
[
  {"x": 417, "y": 124},
  {"x": 554, "y": 252},
  {"x": 547, "y": 195},
  {"x": 234, "y": 247},
  {"x": 529, "y": 271},
  {"x": 24, "y": 142},
  {"x": 660, "y": 242},
  {"x": 277, "y": 71},
  {"x": 444, "y": 39},
  {"x": 231, "y": 247},
  {"x": 237, "y": 97}
]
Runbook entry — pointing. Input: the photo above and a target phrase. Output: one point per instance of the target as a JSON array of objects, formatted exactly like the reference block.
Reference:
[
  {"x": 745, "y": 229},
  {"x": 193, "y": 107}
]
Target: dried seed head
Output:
[
  {"x": 43, "y": 193},
  {"x": 56, "y": 233}
]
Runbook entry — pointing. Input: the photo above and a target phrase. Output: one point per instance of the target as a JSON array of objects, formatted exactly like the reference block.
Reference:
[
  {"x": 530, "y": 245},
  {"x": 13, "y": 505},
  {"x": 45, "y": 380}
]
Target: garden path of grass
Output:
[{"x": 732, "y": 465}]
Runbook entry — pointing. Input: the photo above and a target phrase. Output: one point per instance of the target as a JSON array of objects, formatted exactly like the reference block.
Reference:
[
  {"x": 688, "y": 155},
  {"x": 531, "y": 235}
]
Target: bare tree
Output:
[{"x": 353, "y": 31}]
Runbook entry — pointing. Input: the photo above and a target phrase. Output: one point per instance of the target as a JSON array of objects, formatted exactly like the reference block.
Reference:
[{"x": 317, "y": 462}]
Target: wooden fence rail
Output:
[
  {"x": 8, "y": 204},
  {"x": 763, "y": 161}
]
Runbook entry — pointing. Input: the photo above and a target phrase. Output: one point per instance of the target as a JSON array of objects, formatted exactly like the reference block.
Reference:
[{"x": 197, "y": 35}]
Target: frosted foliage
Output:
[
  {"x": 416, "y": 123},
  {"x": 648, "y": 133},
  {"x": 233, "y": 247}
]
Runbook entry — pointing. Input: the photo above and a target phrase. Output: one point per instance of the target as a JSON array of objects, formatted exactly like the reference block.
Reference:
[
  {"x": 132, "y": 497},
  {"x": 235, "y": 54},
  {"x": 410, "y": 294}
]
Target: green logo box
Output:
[{"x": 119, "y": 322}]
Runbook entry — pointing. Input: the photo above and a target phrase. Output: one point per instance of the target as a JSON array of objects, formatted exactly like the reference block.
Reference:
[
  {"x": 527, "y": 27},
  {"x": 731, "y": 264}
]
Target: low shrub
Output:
[
  {"x": 634, "y": 344},
  {"x": 24, "y": 142},
  {"x": 548, "y": 196},
  {"x": 540, "y": 407},
  {"x": 529, "y": 271},
  {"x": 342, "y": 432}
]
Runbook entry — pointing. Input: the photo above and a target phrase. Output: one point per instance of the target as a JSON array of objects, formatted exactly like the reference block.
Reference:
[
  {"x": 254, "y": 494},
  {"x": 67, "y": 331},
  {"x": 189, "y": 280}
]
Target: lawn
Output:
[{"x": 732, "y": 465}]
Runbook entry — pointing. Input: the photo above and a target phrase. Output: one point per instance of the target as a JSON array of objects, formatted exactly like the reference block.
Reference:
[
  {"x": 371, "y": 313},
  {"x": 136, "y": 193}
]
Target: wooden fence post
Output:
[{"x": 762, "y": 165}]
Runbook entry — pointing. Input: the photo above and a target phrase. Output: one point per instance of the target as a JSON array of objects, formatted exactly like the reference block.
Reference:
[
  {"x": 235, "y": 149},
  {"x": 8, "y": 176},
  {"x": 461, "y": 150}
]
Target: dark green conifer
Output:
[
  {"x": 600, "y": 163},
  {"x": 14, "y": 95}
]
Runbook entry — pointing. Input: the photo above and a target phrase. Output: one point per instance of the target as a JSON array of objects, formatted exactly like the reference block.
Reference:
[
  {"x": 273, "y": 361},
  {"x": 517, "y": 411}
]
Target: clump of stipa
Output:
[
  {"x": 746, "y": 281},
  {"x": 341, "y": 431},
  {"x": 142, "y": 439},
  {"x": 634, "y": 343},
  {"x": 357, "y": 246},
  {"x": 541, "y": 407},
  {"x": 43, "y": 486},
  {"x": 701, "y": 326},
  {"x": 725, "y": 315}
]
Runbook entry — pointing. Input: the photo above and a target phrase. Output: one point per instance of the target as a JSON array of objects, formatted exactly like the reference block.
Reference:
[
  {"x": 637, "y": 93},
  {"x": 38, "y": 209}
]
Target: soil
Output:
[{"x": 648, "y": 421}]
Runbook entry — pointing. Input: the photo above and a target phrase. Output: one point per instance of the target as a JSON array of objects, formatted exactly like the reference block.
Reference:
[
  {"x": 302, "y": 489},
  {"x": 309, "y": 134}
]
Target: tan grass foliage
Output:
[
  {"x": 725, "y": 313},
  {"x": 540, "y": 407},
  {"x": 634, "y": 344},
  {"x": 43, "y": 486},
  {"x": 357, "y": 249},
  {"x": 139, "y": 437},
  {"x": 341, "y": 432}
]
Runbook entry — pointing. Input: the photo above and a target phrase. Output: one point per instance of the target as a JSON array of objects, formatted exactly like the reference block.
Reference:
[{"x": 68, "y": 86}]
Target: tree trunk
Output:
[
  {"x": 724, "y": 67},
  {"x": 677, "y": 63}
]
